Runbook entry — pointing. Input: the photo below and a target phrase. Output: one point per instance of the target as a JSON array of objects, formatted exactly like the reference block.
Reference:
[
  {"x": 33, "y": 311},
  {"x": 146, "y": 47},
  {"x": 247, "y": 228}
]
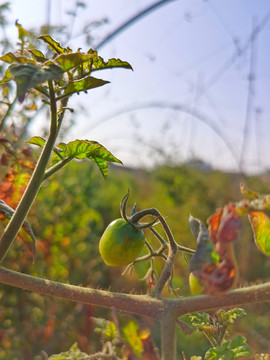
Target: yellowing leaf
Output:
[
  {"x": 260, "y": 223},
  {"x": 69, "y": 61},
  {"x": 99, "y": 64},
  {"x": 11, "y": 58},
  {"x": 54, "y": 45},
  {"x": 21, "y": 31},
  {"x": 131, "y": 335}
]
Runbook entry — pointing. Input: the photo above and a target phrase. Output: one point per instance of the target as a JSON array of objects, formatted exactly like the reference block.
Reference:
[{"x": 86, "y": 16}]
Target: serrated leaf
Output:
[
  {"x": 10, "y": 58},
  {"x": 74, "y": 353},
  {"x": 72, "y": 60},
  {"x": 85, "y": 149},
  {"x": 199, "y": 320},
  {"x": 38, "y": 56},
  {"x": 81, "y": 149},
  {"x": 98, "y": 62},
  {"x": 260, "y": 224},
  {"x": 84, "y": 84},
  {"x": 25, "y": 234},
  {"x": 37, "y": 140},
  {"x": 229, "y": 317},
  {"x": 230, "y": 350},
  {"x": 54, "y": 45}
]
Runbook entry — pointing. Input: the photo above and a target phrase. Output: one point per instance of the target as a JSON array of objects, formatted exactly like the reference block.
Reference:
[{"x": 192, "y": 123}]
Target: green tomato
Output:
[
  {"x": 121, "y": 243},
  {"x": 195, "y": 287}
]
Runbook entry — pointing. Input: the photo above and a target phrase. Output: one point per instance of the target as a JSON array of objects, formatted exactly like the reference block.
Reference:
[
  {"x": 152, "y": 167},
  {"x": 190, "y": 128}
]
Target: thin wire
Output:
[
  {"x": 130, "y": 21},
  {"x": 250, "y": 97},
  {"x": 177, "y": 107}
]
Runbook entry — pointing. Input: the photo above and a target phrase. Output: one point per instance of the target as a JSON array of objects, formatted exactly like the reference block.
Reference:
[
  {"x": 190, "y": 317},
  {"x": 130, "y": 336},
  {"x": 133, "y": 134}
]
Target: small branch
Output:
[
  {"x": 185, "y": 249},
  {"x": 165, "y": 244},
  {"x": 10, "y": 107},
  {"x": 248, "y": 295},
  {"x": 172, "y": 245},
  {"x": 56, "y": 167}
]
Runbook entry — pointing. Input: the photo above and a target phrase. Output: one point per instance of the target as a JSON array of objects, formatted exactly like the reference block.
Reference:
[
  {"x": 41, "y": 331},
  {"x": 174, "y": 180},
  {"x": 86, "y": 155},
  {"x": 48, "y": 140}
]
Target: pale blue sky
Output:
[{"x": 191, "y": 61}]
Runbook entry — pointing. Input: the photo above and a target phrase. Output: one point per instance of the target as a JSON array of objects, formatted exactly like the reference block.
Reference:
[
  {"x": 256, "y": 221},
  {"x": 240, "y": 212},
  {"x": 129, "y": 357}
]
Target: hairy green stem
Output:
[
  {"x": 10, "y": 107},
  {"x": 33, "y": 186},
  {"x": 137, "y": 304},
  {"x": 53, "y": 169}
]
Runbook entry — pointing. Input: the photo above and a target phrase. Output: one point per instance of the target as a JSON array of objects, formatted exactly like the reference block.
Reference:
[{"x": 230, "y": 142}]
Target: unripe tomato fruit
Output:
[
  {"x": 195, "y": 287},
  {"x": 121, "y": 243}
]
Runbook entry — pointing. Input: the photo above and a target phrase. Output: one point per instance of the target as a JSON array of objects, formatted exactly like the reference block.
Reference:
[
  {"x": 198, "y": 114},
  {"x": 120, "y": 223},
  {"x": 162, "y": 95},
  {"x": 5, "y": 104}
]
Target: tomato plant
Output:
[
  {"x": 55, "y": 80},
  {"x": 121, "y": 243}
]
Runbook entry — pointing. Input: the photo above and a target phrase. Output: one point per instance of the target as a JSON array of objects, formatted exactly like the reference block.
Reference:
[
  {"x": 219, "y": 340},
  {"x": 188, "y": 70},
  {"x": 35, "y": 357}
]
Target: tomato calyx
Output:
[{"x": 135, "y": 216}]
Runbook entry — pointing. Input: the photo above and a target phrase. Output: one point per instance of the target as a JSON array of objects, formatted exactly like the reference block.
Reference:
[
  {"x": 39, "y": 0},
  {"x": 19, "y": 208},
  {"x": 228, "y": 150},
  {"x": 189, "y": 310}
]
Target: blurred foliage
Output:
[{"x": 69, "y": 215}]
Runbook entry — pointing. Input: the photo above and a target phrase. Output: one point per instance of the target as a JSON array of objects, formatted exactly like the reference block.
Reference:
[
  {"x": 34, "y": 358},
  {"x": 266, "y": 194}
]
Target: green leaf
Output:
[
  {"x": 110, "y": 332},
  {"x": 69, "y": 61},
  {"x": 229, "y": 317},
  {"x": 260, "y": 224},
  {"x": 84, "y": 84},
  {"x": 54, "y": 45},
  {"x": 199, "y": 320},
  {"x": 25, "y": 233},
  {"x": 59, "y": 149},
  {"x": 28, "y": 76},
  {"x": 36, "y": 140},
  {"x": 92, "y": 150},
  {"x": 74, "y": 353},
  {"x": 82, "y": 149},
  {"x": 39, "y": 141},
  {"x": 230, "y": 350},
  {"x": 131, "y": 335},
  {"x": 99, "y": 64}
]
